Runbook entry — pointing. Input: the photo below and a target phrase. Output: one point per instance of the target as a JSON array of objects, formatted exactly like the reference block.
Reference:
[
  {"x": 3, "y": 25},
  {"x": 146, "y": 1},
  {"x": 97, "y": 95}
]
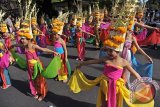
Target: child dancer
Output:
[
  {"x": 80, "y": 44},
  {"x": 112, "y": 89},
  {"x": 38, "y": 86},
  {"x": 126, "y": 54},
  {"x": 60, "y": 47}
]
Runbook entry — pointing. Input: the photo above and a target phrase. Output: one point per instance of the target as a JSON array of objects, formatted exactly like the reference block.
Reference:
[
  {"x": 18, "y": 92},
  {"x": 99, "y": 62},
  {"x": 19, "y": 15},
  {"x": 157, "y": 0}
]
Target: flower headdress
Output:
[
  {"x": 17, "y": 24},
  {"x": 3, "y": 28},
  {"x": 25, "y": 30},
  {"x": 58, "y": 23},
  {"x": 27, "y": 12},
  {"x": 57, "y": 26},
  {"x": 120, "y": 21}
]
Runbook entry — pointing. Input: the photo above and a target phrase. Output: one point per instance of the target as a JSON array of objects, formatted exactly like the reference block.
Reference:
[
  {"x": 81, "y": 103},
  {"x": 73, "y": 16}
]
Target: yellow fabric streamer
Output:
[{"x": 78, "y": 82}]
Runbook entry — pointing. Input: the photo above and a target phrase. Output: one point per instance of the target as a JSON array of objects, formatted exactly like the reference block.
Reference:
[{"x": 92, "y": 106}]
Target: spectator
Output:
[{"x": 9, "y": 24}]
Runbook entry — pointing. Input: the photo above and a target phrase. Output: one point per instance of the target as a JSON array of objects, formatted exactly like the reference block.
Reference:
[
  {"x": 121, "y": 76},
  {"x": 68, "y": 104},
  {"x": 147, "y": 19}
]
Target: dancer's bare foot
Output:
[
  {"x": 5, "y": 87},
  {"x": 40, "y": 98},
  {"x": 36, "y": 97},
  {"x": 65, "y": 81}
]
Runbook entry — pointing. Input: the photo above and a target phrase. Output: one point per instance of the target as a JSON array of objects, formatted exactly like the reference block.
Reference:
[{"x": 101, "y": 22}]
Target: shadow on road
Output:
[
  {"x": 21, "y": 86},
  {"x": 91, "y": 49},
  {"x": 62, "y": 101},
  {"x": 15, "y": 65},
  {"x": 75, "y": 57},
  {"x": 47, "y": 55}
]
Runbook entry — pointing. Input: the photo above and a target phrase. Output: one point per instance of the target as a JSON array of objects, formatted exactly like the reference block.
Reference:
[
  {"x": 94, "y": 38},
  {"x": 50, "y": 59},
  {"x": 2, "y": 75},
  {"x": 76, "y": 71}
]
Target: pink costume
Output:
[
  {"x": 30, "y": 56},
  {"x": 38, "y": 85},
  {"x": 142, "y": 35},
  {"x": 63, "y": 72},
  {"x": 113, "y": 73},
  {"x": 43, "y": 43},
  {"x": 87, "y": 28}
]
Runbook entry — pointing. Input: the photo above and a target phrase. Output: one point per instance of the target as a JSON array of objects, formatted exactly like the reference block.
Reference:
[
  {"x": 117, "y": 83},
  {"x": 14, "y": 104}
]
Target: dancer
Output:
[
  {"x": 126, "y": 54},
  {"x": 43, "y": 28},
  {"x": 38, "y": 86},
  {"x": 80, "y": 44},
  {"x": 7, "y": 39},
  {"x": 60, "y": 47},
  {"x": 4, "y": 64},
  {"x": 112, "y": 89},
  {"x": 140, "y": 29}
]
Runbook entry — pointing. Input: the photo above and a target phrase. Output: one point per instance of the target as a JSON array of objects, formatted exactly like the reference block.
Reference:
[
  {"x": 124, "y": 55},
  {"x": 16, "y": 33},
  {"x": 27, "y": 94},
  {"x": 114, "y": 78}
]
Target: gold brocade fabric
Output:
[{"x": 78, "y": 82}]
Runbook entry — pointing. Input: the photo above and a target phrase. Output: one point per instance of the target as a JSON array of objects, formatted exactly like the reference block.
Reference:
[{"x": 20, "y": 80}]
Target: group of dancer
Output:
[{"x": 118, "y": 38}]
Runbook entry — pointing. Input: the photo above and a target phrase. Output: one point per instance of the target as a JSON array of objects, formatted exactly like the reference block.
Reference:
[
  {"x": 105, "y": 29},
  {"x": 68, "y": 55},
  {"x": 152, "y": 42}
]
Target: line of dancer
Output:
[{"x": 118, "y": 35}]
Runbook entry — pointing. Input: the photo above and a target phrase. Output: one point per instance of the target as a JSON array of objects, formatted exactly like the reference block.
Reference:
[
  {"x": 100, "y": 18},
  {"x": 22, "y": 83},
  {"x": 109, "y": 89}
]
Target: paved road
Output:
[{"x": 59, "y": 94}]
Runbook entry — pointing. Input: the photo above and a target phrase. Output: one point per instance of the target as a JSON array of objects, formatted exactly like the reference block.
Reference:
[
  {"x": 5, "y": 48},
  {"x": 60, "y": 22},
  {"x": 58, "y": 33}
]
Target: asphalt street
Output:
[{"x": 59, "y": 95}]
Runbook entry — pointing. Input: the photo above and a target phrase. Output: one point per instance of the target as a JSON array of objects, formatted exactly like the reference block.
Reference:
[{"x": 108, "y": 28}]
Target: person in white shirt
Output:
[{"x": 9, "y": 24}]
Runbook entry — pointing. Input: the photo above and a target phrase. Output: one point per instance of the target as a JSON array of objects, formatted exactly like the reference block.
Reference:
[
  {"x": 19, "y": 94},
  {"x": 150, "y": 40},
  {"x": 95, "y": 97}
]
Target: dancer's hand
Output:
[
  {"x": 139, "y": 78},
  {"x": 157, "y": 29},
  {"x": 66, "y": 59},
  {"x": 150, "y": 60},
  {"x": 57, "y": 54}
]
